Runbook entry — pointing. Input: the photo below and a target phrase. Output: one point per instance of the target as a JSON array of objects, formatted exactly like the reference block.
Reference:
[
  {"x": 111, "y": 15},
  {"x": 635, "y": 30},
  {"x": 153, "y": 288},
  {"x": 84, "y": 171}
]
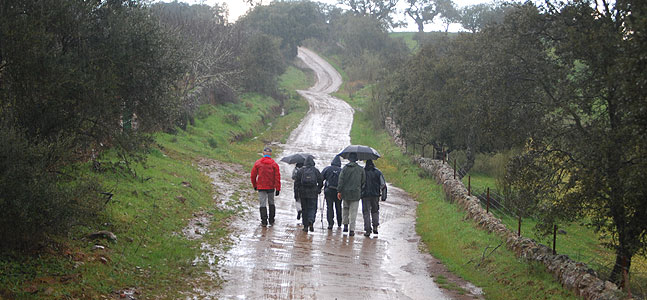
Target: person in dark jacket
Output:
[
  {"x": 349, "y": 190},
  {"x": 266, "y": 179},
  {"x": 309, "y": 183},
  {"x": 333, "y": 205},
  {"x": 296, "y": 193},
  {"x": 374, "y": 188}
]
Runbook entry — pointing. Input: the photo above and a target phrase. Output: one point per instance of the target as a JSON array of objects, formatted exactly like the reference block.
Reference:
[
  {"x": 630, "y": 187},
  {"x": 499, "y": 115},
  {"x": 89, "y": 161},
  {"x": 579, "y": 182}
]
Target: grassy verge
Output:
[
  {"x": 577, "y": 240},
  {"x": 456, "y": 242},
  {"x": 147, "y": 212}
]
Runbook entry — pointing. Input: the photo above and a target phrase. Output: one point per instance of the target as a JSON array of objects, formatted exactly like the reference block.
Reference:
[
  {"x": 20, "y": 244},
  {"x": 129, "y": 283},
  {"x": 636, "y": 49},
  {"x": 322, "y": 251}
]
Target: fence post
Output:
[
  {"x": 487, "y": 205},
  {"x": 519, "y": 228},
  {"x": 554, "y": 238},
  {"x": 454, "y": 168},
  {"x": 469, "y": 185}
]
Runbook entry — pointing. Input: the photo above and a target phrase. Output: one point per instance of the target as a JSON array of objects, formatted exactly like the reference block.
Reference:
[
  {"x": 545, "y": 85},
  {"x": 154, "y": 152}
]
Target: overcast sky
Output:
[{"x": 238, "y": 7}]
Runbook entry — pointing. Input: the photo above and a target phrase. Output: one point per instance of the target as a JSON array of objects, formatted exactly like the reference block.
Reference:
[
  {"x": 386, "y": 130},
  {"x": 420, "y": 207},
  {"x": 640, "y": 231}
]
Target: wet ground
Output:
[{"x": 283, "y": 262}]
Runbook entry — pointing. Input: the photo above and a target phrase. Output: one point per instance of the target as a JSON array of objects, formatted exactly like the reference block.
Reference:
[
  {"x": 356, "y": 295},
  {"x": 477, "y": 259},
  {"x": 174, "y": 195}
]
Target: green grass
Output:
[
  {"x": 580, "y": 242},
  {"x": 148, "y": 212},
  {"x": 456, "y": 242},
  {"x": 407, "y": 37}
]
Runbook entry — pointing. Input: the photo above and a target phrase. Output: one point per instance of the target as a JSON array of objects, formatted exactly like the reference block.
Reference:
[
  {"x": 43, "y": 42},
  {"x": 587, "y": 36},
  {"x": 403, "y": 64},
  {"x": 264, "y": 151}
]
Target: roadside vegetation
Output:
[
  {"x": 469, "y": 252},
  {"x": 147, "y": 212}
]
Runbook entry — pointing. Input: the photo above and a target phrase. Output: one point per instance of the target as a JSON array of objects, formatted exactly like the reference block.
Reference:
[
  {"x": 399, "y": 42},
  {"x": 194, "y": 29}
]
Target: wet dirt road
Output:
[{"x": 283, "y": 262}]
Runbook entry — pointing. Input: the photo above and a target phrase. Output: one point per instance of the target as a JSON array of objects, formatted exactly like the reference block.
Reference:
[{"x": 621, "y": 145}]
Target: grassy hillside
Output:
[{"x": 148, "y": 211}]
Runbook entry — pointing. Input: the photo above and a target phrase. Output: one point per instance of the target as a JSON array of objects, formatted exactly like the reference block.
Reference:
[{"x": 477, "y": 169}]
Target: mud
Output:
[{"x": 283, "y": 262}]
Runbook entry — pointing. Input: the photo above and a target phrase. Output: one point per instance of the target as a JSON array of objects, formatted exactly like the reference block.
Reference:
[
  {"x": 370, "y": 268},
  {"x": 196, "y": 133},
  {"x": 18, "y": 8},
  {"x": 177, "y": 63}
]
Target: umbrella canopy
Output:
[
  {"x": 296, "y": 158},
  {"x": 363, "y": 152}
]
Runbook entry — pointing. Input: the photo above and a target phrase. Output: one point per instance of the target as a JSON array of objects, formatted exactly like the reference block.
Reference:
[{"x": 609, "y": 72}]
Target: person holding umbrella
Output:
[
  {"x": 296, "y": 192},
  {"x": 266, "y": 179},
  {"x": 374, "y": 188},
  {"x": 308, "y": 184},
  {"x": 349, "y": 188},
  {"x": 299, "y": 159}
]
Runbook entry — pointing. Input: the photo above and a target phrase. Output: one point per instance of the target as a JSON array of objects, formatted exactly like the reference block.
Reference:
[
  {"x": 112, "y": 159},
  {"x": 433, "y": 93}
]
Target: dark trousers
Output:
[
  {"x": 371, "y": 212},
  {"x": 332, "y": 205},
  {"x": 308, "y": 210}
]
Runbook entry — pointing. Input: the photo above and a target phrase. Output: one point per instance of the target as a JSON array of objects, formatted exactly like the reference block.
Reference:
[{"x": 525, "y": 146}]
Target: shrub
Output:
[{"x": 36, "y": 200}]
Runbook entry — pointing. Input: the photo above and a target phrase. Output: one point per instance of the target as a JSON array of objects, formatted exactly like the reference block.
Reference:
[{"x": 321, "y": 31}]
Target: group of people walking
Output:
[{"x": 343, "y": 189}]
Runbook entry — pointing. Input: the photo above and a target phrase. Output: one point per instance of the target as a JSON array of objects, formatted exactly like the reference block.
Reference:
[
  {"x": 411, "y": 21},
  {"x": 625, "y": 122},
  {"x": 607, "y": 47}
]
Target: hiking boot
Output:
[
  {"x": 312, "y": 228},
  {"x": 367, "y": 233},
  {"x": 272, "y": 213},
  {"x": 299, "y": 215},
  {"x": 375, "y": 229},
  {"x": 351, "y": 233},
  {"x": 305, "y": 228},
  {"x": 329, "y": 227},
  {"x": 263, "y": 211},
  {"x": 345, "y": 227}
]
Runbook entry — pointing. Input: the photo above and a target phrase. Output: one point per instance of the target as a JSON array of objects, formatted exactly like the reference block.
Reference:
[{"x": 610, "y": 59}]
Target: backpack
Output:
[
  {"x": 309, "y": 177},
  {"x": 334, "y": 179}
]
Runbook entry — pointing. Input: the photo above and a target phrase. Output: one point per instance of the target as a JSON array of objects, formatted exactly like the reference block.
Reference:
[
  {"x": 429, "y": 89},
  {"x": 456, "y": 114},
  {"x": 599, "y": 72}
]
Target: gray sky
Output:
[{"x": 238, "y": 7}]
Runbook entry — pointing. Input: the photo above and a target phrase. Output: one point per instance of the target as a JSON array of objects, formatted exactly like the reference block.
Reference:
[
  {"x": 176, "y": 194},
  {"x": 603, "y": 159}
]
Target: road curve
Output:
[{"x": 282, "y": 262}]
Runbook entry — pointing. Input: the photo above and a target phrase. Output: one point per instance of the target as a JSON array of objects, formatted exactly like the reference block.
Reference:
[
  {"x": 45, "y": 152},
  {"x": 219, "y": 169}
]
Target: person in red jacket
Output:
[{"x": 266, "y": 179}]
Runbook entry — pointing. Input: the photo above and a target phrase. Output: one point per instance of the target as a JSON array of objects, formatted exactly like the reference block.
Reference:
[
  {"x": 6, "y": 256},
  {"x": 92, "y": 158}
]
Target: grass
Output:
[
  {"x": 456, "y": 242},
  {"x": 580, "y": 241},
  {"x": 148, "y": 212}
]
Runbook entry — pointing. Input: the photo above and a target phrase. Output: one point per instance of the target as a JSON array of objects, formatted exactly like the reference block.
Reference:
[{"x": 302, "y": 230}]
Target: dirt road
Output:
[{"x": 282, "y": 262}]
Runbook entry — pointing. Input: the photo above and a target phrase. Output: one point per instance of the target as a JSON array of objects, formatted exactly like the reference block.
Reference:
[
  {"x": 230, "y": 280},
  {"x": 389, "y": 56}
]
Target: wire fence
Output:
[{"x": 494, "y": 202}]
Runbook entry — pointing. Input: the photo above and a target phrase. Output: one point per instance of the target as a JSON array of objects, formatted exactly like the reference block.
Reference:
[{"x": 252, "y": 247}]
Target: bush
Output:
[{"x": 36, "y": 201}]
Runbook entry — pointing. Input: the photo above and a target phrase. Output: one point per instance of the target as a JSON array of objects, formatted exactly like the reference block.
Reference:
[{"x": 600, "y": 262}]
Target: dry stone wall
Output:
[{"x": 575, "y": 276}]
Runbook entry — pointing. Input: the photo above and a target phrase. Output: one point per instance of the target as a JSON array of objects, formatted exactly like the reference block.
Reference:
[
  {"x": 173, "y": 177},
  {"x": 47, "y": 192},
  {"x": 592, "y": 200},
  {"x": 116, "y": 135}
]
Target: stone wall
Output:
[{"x": 575, "y": 276}]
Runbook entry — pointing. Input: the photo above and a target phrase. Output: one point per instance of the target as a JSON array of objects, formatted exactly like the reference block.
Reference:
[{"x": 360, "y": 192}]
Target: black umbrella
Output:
[
  {"x": 296, "y": 158},
  {"x": 363, "y": 152}
]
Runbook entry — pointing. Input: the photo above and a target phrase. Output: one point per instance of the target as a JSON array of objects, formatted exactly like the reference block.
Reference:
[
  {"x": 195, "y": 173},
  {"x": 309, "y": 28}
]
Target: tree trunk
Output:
[
  {"x": 421, "y": 25},
  {"x": 469, "y": 162},
  {"x": 623, "y": 262}
]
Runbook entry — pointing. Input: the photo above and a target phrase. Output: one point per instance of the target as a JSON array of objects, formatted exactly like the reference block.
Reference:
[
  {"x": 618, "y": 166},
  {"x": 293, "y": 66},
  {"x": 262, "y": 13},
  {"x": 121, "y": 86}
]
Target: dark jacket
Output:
[
  {"x": 351, "y": 180},
  {"x": 308, "y": 191},
  {"x": 375, "y": 182},
  {"x": 331, "y": 175}
]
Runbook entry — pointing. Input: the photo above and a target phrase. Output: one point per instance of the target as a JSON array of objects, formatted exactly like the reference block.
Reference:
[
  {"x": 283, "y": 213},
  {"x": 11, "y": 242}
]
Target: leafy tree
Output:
[
  {"x": 589, "y": 157},
  {"x": 262, "y": 64},
  {"x": 381, "y": 10},
  {"x": 292, "y": 22},
  {"x": 476, "y": 17},
  {"x": 72, "y": 76},
  {"x": 424, "y": 11}
]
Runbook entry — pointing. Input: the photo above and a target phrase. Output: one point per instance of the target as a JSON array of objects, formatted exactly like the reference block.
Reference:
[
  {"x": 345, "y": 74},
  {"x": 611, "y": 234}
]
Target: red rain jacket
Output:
[{"x": 266, "y": 174}]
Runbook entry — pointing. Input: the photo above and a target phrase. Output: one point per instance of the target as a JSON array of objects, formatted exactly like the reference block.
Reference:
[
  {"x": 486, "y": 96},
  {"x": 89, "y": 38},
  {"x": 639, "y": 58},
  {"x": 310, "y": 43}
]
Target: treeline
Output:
[
  {"x": 79, "y": 79},
  {"x": 563, "y": 88}
]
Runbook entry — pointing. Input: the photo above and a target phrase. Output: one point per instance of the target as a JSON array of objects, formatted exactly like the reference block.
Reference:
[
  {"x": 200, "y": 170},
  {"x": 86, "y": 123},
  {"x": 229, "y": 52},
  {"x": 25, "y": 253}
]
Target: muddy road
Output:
[{"x": 283, "y": 262}]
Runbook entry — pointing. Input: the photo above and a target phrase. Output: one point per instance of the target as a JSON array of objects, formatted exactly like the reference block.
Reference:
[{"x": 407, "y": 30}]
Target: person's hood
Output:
[
  {"x": 336, "y": 161},
  {"x": 309, "y": 161},
  {"x": 353, "y": 164},
  {"x": 267, "y": 160},
  {"x": 369, "y": 165}
]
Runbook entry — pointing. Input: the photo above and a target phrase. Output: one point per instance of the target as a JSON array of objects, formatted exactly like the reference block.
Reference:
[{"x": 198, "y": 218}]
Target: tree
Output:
[
  {"x": 292, "y": 22},
  {"x": 588, "y": 157},
  {"x": 476, "y": 17},
  {"x": 71, "y": 74},
  {"x": 381, "y": 10},
  {"x": 424, "y": 11}
]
